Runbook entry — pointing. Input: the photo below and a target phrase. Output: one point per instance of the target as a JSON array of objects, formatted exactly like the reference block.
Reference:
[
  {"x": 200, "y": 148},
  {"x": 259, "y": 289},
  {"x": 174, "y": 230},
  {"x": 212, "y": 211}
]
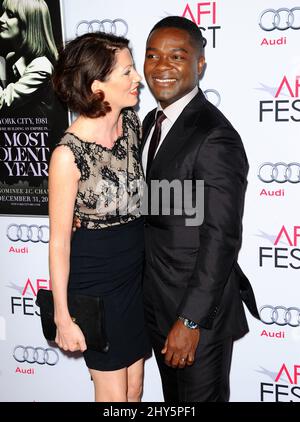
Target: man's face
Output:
[{"x": 172, "y": 65}]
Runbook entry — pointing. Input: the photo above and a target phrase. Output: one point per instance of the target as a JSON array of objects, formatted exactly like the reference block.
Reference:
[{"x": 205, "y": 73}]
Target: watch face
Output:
[
  {"x": 188, "y": 323},
  {"x": 192, "y": 324}
]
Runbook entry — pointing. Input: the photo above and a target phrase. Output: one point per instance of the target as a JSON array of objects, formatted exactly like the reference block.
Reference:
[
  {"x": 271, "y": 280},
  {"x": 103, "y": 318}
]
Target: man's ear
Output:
[
  {"x": 96, "y": 86},
  {"x": 201, "y": 65}
]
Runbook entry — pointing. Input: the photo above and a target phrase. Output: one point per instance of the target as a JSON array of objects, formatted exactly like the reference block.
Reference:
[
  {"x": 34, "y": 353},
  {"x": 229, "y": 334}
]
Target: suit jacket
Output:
[{"x": 192, "y": 270}]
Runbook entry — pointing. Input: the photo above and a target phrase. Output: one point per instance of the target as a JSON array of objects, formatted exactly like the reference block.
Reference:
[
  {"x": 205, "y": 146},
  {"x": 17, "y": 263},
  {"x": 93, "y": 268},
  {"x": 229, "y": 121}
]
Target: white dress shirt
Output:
[{"x": 172, "y": 112}]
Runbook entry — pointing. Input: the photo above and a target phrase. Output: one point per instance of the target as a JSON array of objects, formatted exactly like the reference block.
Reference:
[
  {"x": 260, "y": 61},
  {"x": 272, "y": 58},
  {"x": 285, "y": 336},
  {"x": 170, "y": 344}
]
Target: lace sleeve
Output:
[{"x": 79, "y": 157}]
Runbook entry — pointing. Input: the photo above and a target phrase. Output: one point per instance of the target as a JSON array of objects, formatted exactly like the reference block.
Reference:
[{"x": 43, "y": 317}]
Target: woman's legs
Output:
[
  {"x": 110, "y": 386},
  {"x": 135, "y": 378},
  {"x": 122, "y": 385}
]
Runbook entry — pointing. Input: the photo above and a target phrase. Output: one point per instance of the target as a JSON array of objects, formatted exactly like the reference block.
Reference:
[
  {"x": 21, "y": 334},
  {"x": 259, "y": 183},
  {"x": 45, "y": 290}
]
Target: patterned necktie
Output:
[{"x": 155, "y": 138}]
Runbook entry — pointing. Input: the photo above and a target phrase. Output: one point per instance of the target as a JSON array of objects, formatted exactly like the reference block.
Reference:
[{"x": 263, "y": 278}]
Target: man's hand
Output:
[
  {"x": 180, "y": 346},
  {"x": 76, "y": 224}
]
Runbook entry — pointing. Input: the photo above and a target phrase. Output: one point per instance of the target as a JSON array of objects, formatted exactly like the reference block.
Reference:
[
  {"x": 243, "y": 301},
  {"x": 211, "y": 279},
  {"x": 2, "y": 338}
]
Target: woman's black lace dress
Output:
[{"x": 107, "y": 252}]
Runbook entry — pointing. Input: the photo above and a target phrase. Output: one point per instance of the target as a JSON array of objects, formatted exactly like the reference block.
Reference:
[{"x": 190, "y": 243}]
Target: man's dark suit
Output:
[{"x": 193, "y": 271}]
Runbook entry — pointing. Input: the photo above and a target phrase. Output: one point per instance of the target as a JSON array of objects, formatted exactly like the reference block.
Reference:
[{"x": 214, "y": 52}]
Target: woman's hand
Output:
[
  {"x": 76, "y": 224},
  {"x": 69, "y": 337}
]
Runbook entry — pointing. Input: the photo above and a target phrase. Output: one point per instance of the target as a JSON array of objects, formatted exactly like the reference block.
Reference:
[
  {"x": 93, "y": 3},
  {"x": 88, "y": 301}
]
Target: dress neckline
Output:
[
  {"x": 119, "y": 138},
  {"x": 95, "y": 143}
]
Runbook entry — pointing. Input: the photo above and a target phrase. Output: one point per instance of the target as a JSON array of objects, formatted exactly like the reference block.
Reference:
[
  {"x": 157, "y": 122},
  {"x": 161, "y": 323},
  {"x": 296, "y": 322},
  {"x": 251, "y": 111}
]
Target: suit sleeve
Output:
[{"x": 222, "y": 164}]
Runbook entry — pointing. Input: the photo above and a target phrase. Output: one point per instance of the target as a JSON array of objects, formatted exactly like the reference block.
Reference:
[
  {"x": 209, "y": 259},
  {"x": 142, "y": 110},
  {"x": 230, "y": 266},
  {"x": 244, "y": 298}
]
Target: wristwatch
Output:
[{"x": 189, "y": 323}]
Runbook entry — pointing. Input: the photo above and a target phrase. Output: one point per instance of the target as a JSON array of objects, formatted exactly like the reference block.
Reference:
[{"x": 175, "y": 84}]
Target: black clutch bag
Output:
[{"x": 86, "y": 311}]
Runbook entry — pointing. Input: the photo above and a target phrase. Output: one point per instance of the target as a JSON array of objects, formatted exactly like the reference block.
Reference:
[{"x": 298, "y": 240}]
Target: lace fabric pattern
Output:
[{"x": 111, "y": 182}]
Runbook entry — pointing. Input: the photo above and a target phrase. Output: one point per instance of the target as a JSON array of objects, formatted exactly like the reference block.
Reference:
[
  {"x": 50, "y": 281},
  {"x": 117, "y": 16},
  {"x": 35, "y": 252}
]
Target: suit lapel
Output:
[
  {"x": 147, "y": 125},
  {"x": 148, "y": 122},
  {"x": 180, "y": 132}
]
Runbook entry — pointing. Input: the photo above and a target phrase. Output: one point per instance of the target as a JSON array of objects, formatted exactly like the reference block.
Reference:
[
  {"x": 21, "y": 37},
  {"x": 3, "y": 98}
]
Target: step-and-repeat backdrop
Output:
[{"x": 253, "y": 76}]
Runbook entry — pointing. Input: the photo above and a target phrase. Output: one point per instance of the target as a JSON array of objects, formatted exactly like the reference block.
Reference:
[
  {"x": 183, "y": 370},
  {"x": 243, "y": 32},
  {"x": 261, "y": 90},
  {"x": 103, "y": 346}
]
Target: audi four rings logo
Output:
[
  {"x": 213, "y": 96},
  {"x": 38, "y": 355},
  {"x": 281, "y": 19},
  {"x": 25, "y": 233},
  {"x": 279, "y": 172},
  {"x": 116, "y": 27},
  {"x": 280, "y": 315}
]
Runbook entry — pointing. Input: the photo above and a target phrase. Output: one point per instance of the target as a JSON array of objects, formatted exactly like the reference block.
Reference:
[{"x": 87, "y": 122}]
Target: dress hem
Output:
[{"x": 144, "y": 355}]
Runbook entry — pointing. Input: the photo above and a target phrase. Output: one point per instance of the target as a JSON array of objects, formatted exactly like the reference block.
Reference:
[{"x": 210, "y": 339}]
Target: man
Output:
[{"x": 193, "y": 286}]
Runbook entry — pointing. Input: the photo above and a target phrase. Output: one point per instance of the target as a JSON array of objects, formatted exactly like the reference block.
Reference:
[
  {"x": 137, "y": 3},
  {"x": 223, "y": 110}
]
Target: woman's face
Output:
[
  {"x": 121, "y": 88},
  {"x": 9, "y": 26}
]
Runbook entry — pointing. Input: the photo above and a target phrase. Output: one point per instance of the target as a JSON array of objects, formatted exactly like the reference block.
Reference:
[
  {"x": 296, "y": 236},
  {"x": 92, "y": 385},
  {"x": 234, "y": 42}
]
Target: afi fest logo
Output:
[
  {"x": 284, "y": 386},
  {"x": 206, "y": 16},
  {"x": 24, "y": 301},
  {"x": 287, "y": 257},
  {"x": 285, "y": 104}
]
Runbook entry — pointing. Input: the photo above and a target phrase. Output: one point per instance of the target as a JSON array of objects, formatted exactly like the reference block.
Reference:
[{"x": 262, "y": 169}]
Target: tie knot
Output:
[{"x": 160, "y": 117}]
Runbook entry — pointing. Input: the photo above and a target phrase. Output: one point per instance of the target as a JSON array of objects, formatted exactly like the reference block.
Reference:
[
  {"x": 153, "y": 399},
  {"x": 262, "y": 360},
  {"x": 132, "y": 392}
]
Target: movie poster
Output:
[{"x": 32, "y": 120}]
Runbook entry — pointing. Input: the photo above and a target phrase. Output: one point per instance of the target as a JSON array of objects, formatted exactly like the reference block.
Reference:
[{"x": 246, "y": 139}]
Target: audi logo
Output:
[
  {"x": 279, "y": 172},
  {"x": 116, "y": 27},
  {"x": 281, "y": 19},
  {"x": 38, "y": 355},
  {"x": 280, "y": 315},
  {"x": 25, "y": 233},
  {"x": 213, "y": 96}
]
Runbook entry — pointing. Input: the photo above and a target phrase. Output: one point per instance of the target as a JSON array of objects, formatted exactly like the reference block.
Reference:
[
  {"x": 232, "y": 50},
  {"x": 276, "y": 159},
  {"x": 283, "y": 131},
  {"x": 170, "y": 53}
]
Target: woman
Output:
[
  {"x": 26, "y": 34},
  {"x": 92, "y": 174}
]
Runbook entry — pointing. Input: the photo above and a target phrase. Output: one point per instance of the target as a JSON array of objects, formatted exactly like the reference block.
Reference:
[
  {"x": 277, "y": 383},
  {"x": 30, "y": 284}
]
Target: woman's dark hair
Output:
[
  {"x": 85, "y": 59},
  {"x": 184, "y": 24}
]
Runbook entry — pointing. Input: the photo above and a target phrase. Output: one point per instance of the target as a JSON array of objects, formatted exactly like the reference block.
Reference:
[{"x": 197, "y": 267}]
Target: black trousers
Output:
[{"x": 207, "y": 380}]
